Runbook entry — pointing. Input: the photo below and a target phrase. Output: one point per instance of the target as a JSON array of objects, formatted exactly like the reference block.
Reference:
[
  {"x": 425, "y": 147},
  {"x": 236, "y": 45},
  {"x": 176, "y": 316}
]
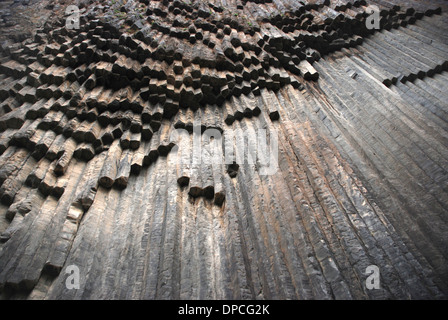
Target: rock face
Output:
[{"x": 226, "y": 149}]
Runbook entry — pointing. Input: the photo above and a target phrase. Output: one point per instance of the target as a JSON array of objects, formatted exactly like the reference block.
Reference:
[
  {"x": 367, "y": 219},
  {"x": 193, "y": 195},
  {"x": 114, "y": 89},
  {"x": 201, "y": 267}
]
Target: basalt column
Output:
[{"x": 121, "y": 157}]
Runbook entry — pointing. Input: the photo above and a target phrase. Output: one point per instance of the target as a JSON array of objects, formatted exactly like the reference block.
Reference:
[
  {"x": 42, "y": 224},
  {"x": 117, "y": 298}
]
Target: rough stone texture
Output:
[{"x": 89, "y": 170}]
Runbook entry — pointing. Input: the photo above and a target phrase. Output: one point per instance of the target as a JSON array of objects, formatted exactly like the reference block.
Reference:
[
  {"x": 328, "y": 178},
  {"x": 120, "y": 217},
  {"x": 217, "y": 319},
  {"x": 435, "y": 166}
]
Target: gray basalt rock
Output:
[{"x": 261, "y": 150}]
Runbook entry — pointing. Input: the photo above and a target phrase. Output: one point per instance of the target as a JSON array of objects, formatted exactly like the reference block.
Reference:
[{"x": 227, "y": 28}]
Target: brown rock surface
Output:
[{"x": 95, "y": 173}]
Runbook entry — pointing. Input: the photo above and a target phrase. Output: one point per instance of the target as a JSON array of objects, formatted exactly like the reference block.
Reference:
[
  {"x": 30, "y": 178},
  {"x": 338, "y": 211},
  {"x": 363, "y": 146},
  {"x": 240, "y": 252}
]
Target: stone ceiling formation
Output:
[{"x": 89, "y": 164}]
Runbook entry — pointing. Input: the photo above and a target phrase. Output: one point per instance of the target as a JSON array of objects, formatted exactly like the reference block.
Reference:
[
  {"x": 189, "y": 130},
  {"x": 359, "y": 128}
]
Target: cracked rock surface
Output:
[{"x": 102, "y": 127}]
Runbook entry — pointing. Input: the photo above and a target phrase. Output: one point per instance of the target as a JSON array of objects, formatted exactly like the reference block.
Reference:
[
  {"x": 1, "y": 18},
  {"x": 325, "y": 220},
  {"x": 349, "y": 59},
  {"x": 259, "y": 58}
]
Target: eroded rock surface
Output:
[{"x": 94, "y": 121}]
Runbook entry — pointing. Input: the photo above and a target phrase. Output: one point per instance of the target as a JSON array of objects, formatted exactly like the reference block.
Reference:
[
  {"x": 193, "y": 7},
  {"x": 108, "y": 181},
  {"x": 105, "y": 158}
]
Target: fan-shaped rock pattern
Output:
[{"x": 95, "y": 120}]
